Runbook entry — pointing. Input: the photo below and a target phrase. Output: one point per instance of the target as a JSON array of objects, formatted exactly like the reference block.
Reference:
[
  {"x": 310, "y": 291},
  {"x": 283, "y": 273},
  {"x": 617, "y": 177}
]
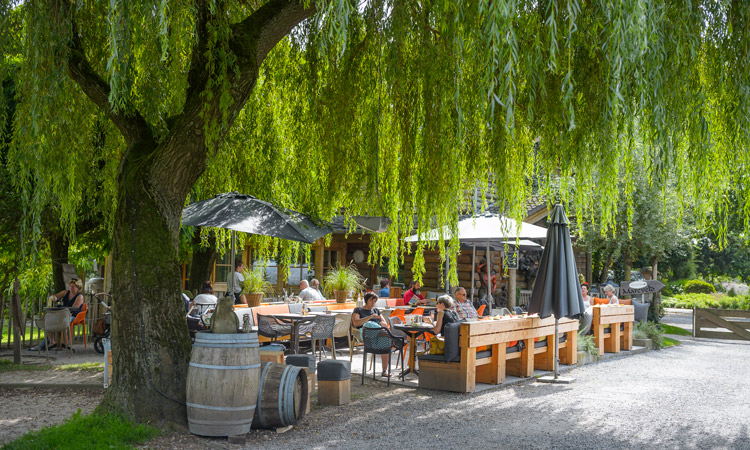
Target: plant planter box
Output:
[
  {"x": 644, "y": 343},
  {"x": 585, "y": 358}
]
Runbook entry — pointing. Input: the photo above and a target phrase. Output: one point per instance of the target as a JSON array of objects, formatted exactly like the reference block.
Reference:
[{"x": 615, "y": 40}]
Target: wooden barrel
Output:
[
  {"x": 282, "y": 398},
  {"x": 222, "y": 383}
]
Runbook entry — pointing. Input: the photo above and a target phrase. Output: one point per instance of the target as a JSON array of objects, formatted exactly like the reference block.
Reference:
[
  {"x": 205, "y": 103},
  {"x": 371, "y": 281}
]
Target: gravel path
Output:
[{"x": 681, "y": 397}]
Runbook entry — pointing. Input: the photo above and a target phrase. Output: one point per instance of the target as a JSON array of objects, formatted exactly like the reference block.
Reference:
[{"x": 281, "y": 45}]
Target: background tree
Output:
[{"x": 387, "y": 107}]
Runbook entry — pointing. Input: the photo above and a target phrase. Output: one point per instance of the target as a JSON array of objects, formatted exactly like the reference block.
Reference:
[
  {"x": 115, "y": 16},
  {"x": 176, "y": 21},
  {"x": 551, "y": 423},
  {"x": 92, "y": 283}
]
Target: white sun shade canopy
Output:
[{"x": 482, "y": 228}]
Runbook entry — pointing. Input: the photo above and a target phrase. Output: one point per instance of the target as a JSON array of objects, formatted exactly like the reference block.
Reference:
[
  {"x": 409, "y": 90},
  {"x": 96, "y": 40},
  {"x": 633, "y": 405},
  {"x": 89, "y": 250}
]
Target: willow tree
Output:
[{"x": 385, "y": 107}]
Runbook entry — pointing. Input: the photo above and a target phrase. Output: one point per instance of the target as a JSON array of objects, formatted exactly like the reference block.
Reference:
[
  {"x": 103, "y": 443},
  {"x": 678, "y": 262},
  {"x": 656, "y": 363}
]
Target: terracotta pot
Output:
[
  {"x": 340, "y": 296},
  {"x": 254, "y": 299}
]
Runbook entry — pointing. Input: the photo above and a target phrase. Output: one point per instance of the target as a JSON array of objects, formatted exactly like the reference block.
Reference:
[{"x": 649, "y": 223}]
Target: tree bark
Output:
[
  {"x": 656, "y": 301},
  {"x": 58, "y": 245},
  {"x": 203, "y": 261},
  {"x": 627, "y": 261},
  {"x": 605, "y": 270}
]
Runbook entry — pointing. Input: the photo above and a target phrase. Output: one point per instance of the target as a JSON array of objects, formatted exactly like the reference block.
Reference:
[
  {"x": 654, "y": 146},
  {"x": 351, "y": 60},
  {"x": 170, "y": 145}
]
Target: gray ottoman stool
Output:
[{"x": 333, "y": 382}]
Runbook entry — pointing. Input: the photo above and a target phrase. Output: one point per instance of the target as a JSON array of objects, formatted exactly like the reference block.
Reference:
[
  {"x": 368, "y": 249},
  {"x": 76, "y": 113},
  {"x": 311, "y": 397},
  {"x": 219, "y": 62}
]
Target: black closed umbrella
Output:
[
  {"x": 557, "y": 289},
  {"x": 240, "y": 212}
]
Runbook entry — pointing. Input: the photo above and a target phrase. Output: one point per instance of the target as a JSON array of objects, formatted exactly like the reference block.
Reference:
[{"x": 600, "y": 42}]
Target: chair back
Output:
[
  {"x": 323, "y": 326},
  {"x": 266, "y": 326},
  {"x": 601, "y": 301},
  {"x": 398, "y": 313},
  {"x": 376, "y": 340},
  {"x": 81, "y": 316},
  {"x": 342, "y": 325},
  {"x": 418, "y": 311},
  {"x": 56, "y": 320},
  {"x": 480, "y": 311}
]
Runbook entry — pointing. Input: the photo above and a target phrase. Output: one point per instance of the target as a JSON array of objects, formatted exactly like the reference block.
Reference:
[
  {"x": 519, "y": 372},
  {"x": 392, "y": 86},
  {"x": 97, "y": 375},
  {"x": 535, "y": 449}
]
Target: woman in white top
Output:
[
  {"x": 609, "y": 291},
  {"x": 585, "y": 295}
]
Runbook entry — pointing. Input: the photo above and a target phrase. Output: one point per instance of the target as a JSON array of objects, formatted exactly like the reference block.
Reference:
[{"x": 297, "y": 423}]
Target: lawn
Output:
[
  {"x": 671, "y": 329},
  {"x": 91, "y": 432}
]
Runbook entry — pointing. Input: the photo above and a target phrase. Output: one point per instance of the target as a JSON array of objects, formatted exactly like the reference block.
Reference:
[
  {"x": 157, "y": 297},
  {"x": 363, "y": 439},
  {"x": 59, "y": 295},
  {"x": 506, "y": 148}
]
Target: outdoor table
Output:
[
  {"x": 413, "y": 331},
  {"x": 295, "y": 320}
]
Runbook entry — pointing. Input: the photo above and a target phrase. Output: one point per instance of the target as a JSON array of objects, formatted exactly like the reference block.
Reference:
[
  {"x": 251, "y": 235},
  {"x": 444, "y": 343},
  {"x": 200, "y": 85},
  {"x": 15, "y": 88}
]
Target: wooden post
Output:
[
  {"x": 319, "y": 258},
  {"x": 512, "y": 289},
  {"x": 16, "y": 314},
  {"x": 2, "y": 319}
]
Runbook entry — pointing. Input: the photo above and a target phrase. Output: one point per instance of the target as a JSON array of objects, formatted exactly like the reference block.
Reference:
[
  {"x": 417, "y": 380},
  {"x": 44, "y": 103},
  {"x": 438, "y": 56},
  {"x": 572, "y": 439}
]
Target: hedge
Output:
[{"x": 688, "y": 301}]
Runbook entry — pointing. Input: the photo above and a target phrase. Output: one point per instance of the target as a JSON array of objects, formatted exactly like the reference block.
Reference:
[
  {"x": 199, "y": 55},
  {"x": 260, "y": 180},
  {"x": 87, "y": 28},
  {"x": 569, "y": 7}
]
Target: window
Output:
[
  {"x": 270, "y": 269},
  {"x": 223, "y": 267},
  {"x": 383, "y": 273},
  {"x": 330, "y": 259}
]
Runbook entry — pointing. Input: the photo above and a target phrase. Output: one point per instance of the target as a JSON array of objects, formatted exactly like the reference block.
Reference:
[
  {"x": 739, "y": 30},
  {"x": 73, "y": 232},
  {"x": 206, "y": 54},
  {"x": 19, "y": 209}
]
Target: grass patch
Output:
[
  {"x": 91, "y": 432},
  {"x": 7, "y": 365},
  {"x": 86, "y": 367},
  {"x": 669, "y": 342},
  {"x": 671, "y": 329},
  {"x": 27, "y": 333}
]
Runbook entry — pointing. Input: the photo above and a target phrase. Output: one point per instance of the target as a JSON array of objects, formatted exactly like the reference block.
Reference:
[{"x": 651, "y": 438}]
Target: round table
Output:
[{"x": 413, "y": 331}]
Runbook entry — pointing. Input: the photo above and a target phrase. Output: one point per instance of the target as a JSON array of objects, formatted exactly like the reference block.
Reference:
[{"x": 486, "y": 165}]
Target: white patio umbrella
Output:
[{"x": 485, "y": 229}]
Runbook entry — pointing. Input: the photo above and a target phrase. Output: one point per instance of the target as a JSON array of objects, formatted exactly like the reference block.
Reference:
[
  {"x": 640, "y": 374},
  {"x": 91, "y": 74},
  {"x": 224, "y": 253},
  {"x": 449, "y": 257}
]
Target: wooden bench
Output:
[
  {"x": 485, "y": 357},
  {"x": 613, "y": 316}
]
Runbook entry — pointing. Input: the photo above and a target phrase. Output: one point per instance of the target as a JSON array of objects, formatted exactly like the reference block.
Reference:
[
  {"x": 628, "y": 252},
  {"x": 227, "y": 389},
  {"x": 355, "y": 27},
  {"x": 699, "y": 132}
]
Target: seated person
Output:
[
  {"x": 585, "y": 295},
  {"x": 315, "y": 284},
  {"x": 413, "y": 297},
  {"x": 609, "y": 291},
  {"x": 309, "y": 294},
  {"x": 205, "y": 299},
  {"x": 369, "y": 313},
  {"x": 463, "y": 307},
  {"x": 444, "y": 314},
  {"x": 71, "y": 299},
  {"x": 385, "y": 290}
]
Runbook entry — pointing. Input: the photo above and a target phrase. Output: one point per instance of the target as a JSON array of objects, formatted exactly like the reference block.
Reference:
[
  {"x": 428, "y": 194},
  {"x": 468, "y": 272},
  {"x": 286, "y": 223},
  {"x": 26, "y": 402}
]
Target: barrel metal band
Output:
[
  {"x": 221, "y": 408},
  {"x": 219, "y": 422},
  {"x": 289, "y": 397},
  {"x": 282, "y": 395},
  {"x": 212, "y": 366},
  {"x": 225, "y": 345}
]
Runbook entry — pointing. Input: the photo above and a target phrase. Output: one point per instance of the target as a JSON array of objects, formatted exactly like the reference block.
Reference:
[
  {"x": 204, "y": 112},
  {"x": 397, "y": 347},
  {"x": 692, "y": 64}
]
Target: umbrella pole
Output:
[
  {"x": 489, "y": 277},
  {"x": 473, "y": 264},
  {"x": 557, "y": 349},
  {"x": 232, "y": 268}
]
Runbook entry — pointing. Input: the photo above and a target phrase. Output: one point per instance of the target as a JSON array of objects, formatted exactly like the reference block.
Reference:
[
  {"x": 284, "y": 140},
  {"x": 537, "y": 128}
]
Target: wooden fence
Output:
[
  {"x": 736, "y": 323},
  {"x": 32, "y": 309}
]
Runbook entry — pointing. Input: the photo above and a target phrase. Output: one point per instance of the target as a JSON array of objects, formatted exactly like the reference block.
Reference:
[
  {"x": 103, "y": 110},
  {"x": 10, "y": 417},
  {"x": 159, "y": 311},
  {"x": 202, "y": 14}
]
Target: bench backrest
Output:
[{"x": 269, "y": 310}]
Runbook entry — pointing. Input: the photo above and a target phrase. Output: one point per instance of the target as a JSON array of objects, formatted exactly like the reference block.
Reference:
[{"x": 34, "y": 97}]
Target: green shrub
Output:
[
  {"x": 688, "y": 301},
  {"x": 651, "y": 331},
  {"x": 731, "y": 292},
  {"x": 586, "y": 345},
  {"x": 699, "y": 287}
]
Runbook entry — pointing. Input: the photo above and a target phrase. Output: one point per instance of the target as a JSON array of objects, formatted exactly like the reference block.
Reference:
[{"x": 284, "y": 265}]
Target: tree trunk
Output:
[
  {"x": 627, "y": 261},
  {"x": 58, "y": 246},
  {"x": 203, "y": 261},
  {"x": 656, "y": 301},
  {"x": 605, "y": 270},
  {"x": 150, "y": 340}
]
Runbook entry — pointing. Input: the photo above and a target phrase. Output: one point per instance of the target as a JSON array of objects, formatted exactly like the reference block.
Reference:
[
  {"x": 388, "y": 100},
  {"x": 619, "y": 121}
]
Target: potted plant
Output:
[
  {"x": 254, "y": 286},
  {"x": 341, "y": 280}
]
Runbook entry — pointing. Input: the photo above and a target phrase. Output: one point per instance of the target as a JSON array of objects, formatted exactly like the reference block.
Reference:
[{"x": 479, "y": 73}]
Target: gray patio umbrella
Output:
[
  {"x": 556, "y": 287},
  {"x": 239, "y": 212}
]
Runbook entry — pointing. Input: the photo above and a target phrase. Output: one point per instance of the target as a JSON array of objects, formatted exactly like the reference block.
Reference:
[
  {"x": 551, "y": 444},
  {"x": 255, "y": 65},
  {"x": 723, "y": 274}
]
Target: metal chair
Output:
[
  {"x": 342, "y": 328},
  {"x": 269, "y": 327},
  {"x": 380, "y": 341},
  {"x": 322, "y": 328}
]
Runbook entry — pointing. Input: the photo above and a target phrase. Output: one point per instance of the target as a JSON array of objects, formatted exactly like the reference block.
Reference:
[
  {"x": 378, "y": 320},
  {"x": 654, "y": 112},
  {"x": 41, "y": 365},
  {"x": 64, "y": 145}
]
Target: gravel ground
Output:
[{"x": 681, "y": 397}]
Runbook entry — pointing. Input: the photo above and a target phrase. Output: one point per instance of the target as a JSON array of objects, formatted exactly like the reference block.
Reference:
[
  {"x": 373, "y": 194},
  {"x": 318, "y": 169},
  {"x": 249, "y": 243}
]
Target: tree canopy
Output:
[{"x": 393, "y": 108}]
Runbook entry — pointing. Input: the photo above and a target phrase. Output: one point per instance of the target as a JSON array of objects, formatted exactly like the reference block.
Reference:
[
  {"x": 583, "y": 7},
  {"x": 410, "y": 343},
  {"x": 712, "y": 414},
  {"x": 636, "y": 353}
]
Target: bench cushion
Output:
[
  {"x": 441, "y": 358},
  {"x": 295, "y": 308},
  {"x": 452, "y": 351},
  {"x": 334, "y": 370},
  {"x": 307, "y": 361}
]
